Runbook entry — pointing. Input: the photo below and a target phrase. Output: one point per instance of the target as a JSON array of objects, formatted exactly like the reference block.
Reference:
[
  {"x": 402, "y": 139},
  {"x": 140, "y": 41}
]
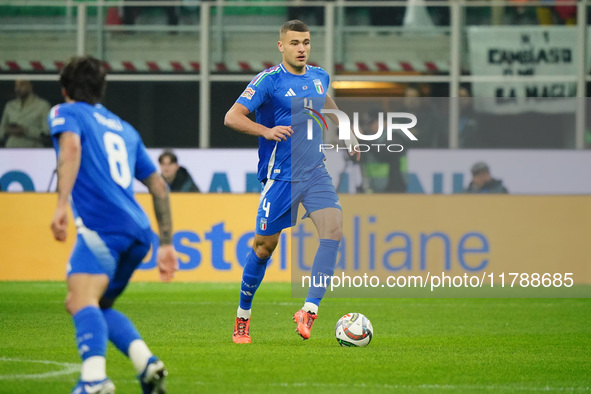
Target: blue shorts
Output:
[
  {"x": 278, "y": 205},
  {"x": 115, "y": 255}
]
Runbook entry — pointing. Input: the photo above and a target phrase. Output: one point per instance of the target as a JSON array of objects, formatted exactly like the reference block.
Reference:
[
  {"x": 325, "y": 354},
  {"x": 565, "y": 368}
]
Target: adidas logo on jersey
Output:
[{"x": 290, "y": 92}]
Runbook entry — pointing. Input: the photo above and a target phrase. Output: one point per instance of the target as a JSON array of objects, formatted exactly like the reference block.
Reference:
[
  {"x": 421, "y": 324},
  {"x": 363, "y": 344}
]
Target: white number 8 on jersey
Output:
[{"x": 117, "y": 156}]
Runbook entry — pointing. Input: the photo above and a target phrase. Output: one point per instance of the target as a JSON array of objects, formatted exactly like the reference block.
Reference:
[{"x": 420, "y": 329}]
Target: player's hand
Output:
[
  {"x": 59, "y": 224},
  {"x": 278, "y": 133},
  {"x": 167, "y": 261}
]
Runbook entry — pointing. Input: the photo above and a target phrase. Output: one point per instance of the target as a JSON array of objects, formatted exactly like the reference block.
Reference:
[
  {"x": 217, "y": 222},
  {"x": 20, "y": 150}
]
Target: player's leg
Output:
[
  {"x": 254, "y": 270},
  {"x": 88, "y": 278},
  {"x": 273, "y": 216},
  {"x": 150, "y": 369},
  {"x": 329, "y": 223},
  {"x": 122, "y": 332},
  {"x": 323, "y": 207},
  {"x": 252, "y": 276}
]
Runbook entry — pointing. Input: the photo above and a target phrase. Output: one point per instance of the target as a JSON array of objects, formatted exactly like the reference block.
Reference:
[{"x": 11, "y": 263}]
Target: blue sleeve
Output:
[
  {"x": 144, "y": 167},
  {"x": 61, "y": 118},
  {"x": 257, "y": 92}
]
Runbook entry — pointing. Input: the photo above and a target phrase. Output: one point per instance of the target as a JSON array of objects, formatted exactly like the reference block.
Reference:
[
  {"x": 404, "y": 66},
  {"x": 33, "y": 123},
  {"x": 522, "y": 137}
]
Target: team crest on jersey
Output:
[
  {"x": 319, "y": 87},
  {"x": 248, "y": 93},
  {"x": 263, "y": 224}
]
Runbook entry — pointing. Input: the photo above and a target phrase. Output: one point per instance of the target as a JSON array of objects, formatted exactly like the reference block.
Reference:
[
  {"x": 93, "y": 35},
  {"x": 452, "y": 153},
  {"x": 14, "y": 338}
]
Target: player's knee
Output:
[
  {"x": 263, "y": 251},
  {"x": 71, "y": 304},
  {"x": 74, "y": 303},
  {"x": 335, "y": 233},
  {"x": 67, "y": 305},
  {"x": 264, "y": 246}
]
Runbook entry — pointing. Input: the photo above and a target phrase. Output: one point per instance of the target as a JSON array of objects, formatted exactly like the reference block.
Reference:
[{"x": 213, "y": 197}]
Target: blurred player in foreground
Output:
[
  {"x": 98, "y": 156},
  {"x": 290, "y": 168}
]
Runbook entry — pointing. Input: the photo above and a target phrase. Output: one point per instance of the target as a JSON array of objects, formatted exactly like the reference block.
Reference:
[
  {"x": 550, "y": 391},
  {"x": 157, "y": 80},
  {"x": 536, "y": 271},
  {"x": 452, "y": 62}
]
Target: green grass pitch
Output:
[{"x": 419, "y": 345}]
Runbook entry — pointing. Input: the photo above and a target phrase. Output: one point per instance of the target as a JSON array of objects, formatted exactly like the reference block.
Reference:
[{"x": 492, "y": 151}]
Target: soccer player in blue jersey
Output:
[
  {"x": 290, "y": 168},
  {"x": 98, "y": 156}
]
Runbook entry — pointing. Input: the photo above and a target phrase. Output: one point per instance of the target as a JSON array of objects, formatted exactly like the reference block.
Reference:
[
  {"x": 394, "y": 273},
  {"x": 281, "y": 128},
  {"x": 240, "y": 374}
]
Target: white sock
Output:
[
  {"x": 310, "y": 307},
  {"x": 139, "y": 354},
  {"x": 243, "y": 313},
  {"x": 93, "y": 369}
]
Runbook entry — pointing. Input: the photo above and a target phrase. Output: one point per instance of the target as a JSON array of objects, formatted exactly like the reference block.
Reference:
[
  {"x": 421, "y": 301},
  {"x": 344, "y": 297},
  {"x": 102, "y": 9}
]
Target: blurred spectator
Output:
[
  {"x": 468, "y": 123},
  {"x": 520, "y": 14},
  {"x": 24, "y": 121},
  {"x": 382, "y": 170},
  {"x": 567, "y": 14},
  {"x": 429, "y": 128},
  {"x": 440, "y": 15},
  {"x": 483, "y": 182},
  {"x": 549, "y": 13},
  {"x": 312, "y": 15},
  {"x": 178, "y": 178},
  {"x": 386, "y": 16},
  {"x": 130, "y": 13},
  {"x": 554, "y": 14}
]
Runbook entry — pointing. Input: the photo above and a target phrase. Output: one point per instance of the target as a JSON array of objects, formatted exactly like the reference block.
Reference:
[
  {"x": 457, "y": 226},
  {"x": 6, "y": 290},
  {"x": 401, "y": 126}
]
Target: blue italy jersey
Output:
[
  {"x": 280, "y": 98},
  {"x": 113, "y": 154}
]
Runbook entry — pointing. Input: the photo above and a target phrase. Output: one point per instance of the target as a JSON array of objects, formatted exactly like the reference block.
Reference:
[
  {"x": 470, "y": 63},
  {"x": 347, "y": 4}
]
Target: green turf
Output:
[{"x": 419, "y": 345}]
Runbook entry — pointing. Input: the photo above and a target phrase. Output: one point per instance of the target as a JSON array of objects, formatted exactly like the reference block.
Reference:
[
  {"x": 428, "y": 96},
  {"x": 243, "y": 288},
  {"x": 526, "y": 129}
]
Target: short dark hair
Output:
[
  {"x": 479, "y": 168},
  {"x": 293, "y": 25},
  {"x": 169, "y": 154},
  {"x": 83, "y": 78}
]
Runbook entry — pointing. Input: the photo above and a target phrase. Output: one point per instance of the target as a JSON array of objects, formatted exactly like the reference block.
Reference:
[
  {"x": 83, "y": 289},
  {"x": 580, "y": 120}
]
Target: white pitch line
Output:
[{"x": 68, "y": 368}]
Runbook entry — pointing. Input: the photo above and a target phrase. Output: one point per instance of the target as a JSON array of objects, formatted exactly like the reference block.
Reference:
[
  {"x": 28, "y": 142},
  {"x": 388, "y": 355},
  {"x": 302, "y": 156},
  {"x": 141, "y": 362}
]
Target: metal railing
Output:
[{"x": 211, "y": 29}]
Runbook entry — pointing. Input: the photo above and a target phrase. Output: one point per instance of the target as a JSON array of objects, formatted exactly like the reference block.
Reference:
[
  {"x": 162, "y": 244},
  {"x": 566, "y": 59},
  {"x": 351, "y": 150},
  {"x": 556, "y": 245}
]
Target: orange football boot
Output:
[
  {"x": 304, "y": 321},
  {"x": 241, "y": 330}
]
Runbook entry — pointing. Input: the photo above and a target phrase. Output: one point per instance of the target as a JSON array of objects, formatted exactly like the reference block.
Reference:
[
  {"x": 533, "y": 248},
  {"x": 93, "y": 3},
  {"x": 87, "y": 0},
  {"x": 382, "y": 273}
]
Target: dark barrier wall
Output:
[{"x": 165, "y": 113}]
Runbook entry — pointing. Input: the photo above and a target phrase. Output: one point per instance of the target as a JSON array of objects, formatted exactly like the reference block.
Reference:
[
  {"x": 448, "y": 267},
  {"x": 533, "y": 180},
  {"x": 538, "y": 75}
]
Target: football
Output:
[{"x": 353, "y": 329}]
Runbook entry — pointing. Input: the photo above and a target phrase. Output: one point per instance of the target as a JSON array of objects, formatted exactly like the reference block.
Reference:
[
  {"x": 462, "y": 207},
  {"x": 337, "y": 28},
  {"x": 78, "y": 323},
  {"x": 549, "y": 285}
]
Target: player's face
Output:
[{"x": 295, "y": 48}]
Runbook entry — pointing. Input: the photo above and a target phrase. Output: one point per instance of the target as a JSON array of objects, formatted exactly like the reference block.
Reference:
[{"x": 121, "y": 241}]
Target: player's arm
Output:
[
  {"x": 166, "y": 257},
  {"x": 68, "y": 164},
  {"x": 329, "y": 103},
  {"x": 237, "y": 119}
]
